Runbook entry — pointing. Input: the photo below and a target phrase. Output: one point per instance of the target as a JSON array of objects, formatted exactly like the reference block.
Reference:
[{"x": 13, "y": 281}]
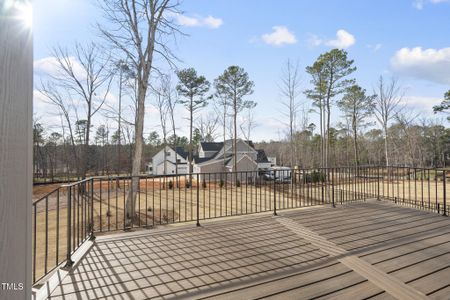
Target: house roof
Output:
[
  {"x": 211, "y": 146},
  {"x": 181, "y": 152},
  {"x": 230, "y": 162},
  {"x": 261, "y": 157},
  {"x": 248, "y": 142},
  {"x": 199, "y": 160}
]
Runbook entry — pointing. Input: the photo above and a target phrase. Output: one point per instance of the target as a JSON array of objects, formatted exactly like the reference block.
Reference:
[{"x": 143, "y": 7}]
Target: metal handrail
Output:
[{"x": 97, "y": 205}]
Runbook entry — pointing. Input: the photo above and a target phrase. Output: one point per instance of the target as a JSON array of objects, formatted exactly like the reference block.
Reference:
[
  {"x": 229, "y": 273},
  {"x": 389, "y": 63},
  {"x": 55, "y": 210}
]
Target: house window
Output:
[
  {"x": 178, "y": 160},
  {"x": 167, "y": 153}
]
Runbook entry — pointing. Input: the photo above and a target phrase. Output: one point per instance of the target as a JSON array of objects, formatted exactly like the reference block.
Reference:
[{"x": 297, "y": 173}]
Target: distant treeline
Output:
[{"x": 420, "y": 145}]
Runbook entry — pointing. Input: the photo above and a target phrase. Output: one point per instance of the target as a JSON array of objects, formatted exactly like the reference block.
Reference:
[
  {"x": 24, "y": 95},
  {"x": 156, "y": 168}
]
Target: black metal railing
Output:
[
  {"x": 65, "y": 218},
  {"x": 423, "y": 188},
  {"x": 62, "y": 222}
]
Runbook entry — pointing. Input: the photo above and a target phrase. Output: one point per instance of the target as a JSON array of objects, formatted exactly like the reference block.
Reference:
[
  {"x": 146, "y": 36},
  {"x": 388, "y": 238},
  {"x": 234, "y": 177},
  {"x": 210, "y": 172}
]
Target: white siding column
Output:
[{"x": 16, "y": 90}]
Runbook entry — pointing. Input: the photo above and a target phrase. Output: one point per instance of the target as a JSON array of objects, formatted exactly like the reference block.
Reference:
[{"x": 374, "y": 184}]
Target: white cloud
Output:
[
  {"x": 280, "y": 36},
  {"x": 212, "y": 22},
  {"x": 428, "y": 64},
  {"x": 343, "y": 40},
  {"x": 422, "y": 103},
  {"x": 419, "y": 4},
  {"x": 49, "y": 66},
  {"x": 209, "y": 21}
]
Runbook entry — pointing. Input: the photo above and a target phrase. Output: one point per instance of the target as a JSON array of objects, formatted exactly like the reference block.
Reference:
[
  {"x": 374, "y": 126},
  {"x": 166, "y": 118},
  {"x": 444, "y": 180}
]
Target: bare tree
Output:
[
  {"x": 82, "y": 75},
  {"x": 290, "y": 90},
  {"x": 172, "y": 100},
  {"x": 124, "y": 75},
  {"x": 208, "y": 127},
  {"x": 387, "y": 105},
  {"x": 140, "y": 29},
  {"x": 163, "y": 108},
  {"x": 221, "y": 105},
  {"x": 249, "y": 122}
]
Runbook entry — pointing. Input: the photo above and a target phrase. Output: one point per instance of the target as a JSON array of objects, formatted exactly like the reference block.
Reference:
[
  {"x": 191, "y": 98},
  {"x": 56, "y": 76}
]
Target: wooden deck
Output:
[{"x": 371, "y": 250}]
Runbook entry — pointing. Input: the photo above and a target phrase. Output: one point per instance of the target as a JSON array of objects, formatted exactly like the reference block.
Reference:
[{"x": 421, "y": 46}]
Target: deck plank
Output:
[{"x": 256, "y": 257}]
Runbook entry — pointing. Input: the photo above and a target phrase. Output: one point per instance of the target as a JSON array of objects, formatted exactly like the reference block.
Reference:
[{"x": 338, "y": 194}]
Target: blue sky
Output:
[{"x": 407, "y": 39}]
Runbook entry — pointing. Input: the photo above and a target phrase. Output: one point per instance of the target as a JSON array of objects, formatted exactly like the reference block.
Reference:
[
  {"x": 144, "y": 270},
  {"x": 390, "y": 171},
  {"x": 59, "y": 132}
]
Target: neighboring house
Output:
[
  {"x": 157, "y": 165},
  {"x": 219, "y": 157},
  {"x": 213, "y": 157}
]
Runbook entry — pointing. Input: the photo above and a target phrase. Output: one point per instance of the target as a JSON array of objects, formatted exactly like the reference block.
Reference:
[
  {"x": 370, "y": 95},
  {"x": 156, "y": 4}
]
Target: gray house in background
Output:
[{"x": 211, "y": 157}]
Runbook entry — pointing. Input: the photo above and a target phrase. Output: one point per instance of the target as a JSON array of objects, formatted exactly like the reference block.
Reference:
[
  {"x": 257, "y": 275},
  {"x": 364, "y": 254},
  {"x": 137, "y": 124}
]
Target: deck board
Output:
[{"x": 258, "y": 257}]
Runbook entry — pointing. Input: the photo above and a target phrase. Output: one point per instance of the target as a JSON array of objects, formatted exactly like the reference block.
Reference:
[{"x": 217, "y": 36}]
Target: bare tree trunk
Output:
[
  {"x": 119, "y": 129},
  {"x": 224, "y": 135},
  {"x": 386, "y": 149},
  {"x": 191, "y": 148},
  {"x": 327, "y": 144},
  {"x": 235, "y": 134},
  {"x": 137, "y": 156},
  {"x": 355, "y": 142},
  {"x": 322, "y": 152}
]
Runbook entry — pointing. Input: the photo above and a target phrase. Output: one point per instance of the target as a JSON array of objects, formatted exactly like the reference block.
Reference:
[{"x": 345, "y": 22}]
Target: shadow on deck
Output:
[{"x": 365, "y": 250}]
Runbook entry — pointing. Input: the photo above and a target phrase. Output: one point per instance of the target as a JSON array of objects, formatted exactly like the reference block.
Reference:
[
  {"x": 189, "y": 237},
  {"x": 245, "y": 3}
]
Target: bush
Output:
[
  {"x": 238, "y": 183},
  {"x": 204, "y": 184},
  {"x": 170, "y": 184},
  {"x": 221, "y": 183},
  {"x": 314, "y": 177},
  {"x": 188, "y": 184}
]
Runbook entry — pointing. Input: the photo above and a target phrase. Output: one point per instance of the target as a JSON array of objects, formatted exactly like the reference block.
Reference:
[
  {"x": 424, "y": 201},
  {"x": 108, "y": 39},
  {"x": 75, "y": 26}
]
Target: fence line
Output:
[{"x": 66, "y": 217}]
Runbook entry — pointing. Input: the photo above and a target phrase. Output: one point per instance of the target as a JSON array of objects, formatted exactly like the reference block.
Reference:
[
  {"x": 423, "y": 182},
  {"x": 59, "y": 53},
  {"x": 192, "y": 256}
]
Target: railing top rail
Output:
[
  {"x": 46, "y": 196},
  {"x": 76, "y": 183}
]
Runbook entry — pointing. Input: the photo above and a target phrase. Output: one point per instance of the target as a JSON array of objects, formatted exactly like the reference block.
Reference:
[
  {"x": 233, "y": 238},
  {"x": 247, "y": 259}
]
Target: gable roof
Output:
[
  {"x": 230, "y": 162},
  {"x": 181, "y": 152},
  {"x": 199, "y": 160},
  {"x": 211, "y": 146},
  {"x": 261, "y": 157}
]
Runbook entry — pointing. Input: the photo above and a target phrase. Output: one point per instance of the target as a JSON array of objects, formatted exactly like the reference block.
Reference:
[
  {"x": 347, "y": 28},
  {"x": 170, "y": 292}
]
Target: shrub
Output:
[
  {"x": 221, "y": 183},
  {"x": 314, "y": 177},
  {"x": 170, "y": 184},
  {"x": 204, "y": 184},
  {"x": 238, "y": 183}
]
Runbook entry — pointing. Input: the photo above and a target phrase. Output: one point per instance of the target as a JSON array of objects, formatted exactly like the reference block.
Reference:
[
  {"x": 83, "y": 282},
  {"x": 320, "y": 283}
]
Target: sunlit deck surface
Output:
[{"x": 368, "y": 250}]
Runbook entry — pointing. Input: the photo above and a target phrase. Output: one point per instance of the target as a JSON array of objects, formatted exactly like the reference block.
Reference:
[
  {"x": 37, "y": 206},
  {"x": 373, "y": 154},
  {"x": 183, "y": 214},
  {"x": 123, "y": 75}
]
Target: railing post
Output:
[
  {"x": 198, "y": 200},
  {"x": 444, "y": 192},
  {"x": 322, "y": 193},
  {"x": 69, "y": 261},
  {"x": 332, "y": 187},
  {"x": 378, "y": 183},
  {"x": 92, "y": 236},
  {"x": 274, "y": 192}
]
